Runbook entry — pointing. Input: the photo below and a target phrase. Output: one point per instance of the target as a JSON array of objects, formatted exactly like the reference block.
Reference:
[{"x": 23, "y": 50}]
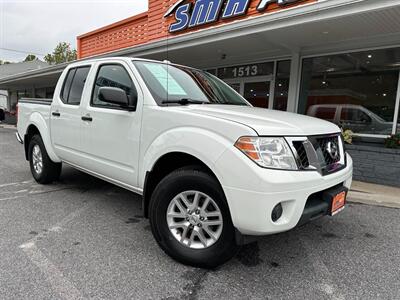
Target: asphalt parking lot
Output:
[{"x": 84, "y": 238}]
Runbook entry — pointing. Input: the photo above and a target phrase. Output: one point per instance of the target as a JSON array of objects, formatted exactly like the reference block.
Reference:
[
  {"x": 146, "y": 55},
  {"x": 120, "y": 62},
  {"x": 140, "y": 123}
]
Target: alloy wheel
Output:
[
  {"x": 194, "y": 219},
  {"x": 37, "y": 159}
]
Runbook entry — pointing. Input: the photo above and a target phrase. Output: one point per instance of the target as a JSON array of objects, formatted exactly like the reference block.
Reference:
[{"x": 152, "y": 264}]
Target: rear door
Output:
[
  {"x": 66, "y": 124},
  {"x": 111, "y": 134}
]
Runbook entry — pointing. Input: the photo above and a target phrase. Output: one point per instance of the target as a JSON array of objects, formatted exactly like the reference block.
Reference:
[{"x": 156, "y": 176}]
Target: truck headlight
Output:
[{"x": 268, "y": 152}]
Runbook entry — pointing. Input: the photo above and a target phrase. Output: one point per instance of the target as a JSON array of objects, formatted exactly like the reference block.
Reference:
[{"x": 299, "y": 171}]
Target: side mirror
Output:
[{"x": 113, "y": 95}]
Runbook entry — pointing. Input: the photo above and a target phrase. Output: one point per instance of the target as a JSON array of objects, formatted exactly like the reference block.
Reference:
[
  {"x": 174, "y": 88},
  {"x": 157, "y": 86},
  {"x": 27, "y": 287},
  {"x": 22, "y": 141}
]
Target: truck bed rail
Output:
[{"x": 41, "y": 101}]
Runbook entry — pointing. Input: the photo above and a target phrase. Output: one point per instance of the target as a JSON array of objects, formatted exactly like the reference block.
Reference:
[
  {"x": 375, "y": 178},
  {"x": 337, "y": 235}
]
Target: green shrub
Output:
[{"x": 347, "y": 136}]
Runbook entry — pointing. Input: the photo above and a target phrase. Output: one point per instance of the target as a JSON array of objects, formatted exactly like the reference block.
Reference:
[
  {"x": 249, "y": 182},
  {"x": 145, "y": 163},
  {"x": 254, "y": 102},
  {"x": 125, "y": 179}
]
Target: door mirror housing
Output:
[{"x": 114, "y": 95}]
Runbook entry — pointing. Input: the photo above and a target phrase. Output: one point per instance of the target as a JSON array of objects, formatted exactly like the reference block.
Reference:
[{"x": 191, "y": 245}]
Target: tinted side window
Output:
[
  {"x": 354, "y": 115},
  {"x": 67, "y": 85},
  {"x": 348, "y": 114},
  {"x": 326, "y": 113},
  {"x": 113, "y": 76},
  {"x": 77, "y": 85}
]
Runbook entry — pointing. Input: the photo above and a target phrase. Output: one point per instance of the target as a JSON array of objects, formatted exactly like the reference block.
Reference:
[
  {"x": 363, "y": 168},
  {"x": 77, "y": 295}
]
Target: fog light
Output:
[{"x": 277, "y": 212}]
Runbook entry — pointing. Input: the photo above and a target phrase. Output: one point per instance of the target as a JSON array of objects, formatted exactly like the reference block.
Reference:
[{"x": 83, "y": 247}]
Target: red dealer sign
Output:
[
  {"x": 171, "y": 17},
  {"x": 203, "y": 12}
]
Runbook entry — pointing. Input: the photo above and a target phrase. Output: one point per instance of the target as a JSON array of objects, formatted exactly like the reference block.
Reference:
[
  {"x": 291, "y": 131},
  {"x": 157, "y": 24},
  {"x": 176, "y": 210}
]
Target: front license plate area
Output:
[
  {"x": 336, "y": 198},
  {"x": 338, "y": 203}
]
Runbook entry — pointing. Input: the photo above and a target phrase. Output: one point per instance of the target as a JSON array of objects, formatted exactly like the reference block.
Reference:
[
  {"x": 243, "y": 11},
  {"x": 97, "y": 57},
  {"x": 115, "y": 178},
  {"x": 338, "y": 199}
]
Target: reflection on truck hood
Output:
[{"x": 267, "y": 122}]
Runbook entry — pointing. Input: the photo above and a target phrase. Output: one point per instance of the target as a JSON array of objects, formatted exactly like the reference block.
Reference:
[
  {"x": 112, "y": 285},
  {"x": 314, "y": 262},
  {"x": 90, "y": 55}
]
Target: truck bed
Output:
[{"x": 29, "y": 109}]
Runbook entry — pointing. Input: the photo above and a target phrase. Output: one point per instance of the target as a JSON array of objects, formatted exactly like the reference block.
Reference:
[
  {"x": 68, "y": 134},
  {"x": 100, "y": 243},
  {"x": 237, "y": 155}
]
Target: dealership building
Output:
[{"x": 333, "y": 59}]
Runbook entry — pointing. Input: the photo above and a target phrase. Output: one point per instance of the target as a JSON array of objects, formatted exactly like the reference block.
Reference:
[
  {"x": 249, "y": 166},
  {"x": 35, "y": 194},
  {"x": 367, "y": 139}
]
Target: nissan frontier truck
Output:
[{"x": 212, "y": 171}]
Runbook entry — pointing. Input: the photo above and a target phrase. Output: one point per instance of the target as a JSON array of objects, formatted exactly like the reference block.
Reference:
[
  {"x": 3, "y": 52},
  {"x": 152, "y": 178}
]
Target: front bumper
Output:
[
  {"x": 253, "y": 192},
  {"x": 320, "y": 204}
]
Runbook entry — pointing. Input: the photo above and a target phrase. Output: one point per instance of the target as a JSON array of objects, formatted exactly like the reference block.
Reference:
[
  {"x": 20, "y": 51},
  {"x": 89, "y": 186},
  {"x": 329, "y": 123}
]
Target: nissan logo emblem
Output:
[{"x": 333, "y": 150}]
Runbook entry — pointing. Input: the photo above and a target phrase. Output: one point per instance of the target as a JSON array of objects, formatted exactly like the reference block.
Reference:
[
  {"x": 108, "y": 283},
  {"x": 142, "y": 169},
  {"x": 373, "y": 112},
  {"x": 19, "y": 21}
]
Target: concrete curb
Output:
[
  {"x": 374, "y": 194},
  {"x": 368, "y": 200},
  {"x": 6, "y": 126}
]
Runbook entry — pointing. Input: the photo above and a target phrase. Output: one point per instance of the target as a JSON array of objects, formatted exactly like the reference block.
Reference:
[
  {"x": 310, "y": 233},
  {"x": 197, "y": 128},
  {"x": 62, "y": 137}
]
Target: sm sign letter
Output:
[{"x": 208, "y": 11}]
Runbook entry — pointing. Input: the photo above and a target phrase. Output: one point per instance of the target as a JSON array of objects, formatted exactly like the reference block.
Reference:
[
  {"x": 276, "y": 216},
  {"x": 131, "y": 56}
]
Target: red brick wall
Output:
[
  {"x": 157, "y": 24},
  {"x": 126, "y": 33},
  {"x": 150, "y": 26}
]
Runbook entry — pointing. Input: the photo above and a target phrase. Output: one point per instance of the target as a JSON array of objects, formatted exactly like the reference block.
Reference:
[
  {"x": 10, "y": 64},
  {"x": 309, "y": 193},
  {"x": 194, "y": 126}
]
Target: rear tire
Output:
[
  {"x": 43, "y": 169},
  {"x": 213, "y": 241}
]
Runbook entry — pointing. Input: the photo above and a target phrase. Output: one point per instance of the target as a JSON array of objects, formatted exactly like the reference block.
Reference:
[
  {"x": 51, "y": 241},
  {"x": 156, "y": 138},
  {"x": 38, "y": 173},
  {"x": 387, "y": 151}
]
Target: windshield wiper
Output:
[{"x": 184, "y": 101}]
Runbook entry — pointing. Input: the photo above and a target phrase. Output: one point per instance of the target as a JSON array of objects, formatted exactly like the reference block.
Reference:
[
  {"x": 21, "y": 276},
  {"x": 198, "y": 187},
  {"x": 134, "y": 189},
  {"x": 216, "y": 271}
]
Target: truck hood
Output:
[{"x": 268, "y": 122}]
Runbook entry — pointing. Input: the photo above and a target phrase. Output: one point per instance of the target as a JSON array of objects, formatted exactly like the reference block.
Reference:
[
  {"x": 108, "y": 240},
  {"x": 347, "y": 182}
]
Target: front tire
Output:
[
  {"x": 190, "y": 219},
  {"x": 43, "y": 169}
]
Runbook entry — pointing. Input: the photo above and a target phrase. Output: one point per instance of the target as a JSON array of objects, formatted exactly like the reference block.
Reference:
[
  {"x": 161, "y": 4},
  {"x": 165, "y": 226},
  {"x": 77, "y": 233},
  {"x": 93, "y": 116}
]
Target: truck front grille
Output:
[
  {"x": 327, "y": 146},
  {"x": 322, "y": 153},
  {"x": 301, "y": 154}
]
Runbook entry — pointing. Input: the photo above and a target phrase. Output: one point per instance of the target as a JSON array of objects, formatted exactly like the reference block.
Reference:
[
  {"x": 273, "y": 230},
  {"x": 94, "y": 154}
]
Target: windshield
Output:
[{"x": 174, "y": 83}]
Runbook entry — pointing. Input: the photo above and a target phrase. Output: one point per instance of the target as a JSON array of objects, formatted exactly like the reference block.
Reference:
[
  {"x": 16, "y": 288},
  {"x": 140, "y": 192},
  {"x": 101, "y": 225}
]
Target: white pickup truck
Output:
[{"x": 212, "y": 170}]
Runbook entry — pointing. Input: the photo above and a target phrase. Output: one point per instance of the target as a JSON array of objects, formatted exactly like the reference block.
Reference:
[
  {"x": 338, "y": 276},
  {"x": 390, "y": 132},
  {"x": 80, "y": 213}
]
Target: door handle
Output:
[
  {"x": 87, "y": 118},
  {"x": 56, "y": 114}
]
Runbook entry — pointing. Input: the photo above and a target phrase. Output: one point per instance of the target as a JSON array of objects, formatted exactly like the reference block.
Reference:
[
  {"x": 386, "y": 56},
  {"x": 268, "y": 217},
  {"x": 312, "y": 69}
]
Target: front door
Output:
[
  {"x": 258, "y": 91},
  {"x": 111, "y": 134}
]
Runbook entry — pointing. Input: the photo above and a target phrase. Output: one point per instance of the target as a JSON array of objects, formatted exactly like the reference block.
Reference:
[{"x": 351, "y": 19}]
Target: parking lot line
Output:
[
  {"x": 54, "y": 276},
  {"x": 327, "y": 286},
  {"x": 15, "y": 183}
]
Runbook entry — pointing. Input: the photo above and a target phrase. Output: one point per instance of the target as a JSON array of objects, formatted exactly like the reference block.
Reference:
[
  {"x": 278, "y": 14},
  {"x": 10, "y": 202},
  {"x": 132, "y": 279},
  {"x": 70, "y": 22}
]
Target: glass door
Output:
[{"x": 258, "y": 91}]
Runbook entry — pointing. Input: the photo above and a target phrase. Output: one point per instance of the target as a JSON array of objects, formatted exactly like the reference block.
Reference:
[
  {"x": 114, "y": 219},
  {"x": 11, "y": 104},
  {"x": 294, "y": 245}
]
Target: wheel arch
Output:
[
  {"x": 31, "y": 131},
  {"x": 37, "y": 125},
  {"x": 166, "y": 164}
]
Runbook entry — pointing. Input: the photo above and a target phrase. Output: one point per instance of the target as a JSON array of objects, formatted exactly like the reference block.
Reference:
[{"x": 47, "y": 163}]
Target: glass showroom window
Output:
[
  {"x": 356, "y": 91},
  {"x": 282, "y": 85},
  {"x": 398, "y": 121}
]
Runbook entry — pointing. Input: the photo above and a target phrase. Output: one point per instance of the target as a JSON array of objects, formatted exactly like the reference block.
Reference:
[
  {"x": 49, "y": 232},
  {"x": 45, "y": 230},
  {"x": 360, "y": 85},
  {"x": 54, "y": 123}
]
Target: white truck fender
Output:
[
  {"x": 203, "y": 144},
  {"x": 37, "y": 120}
]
